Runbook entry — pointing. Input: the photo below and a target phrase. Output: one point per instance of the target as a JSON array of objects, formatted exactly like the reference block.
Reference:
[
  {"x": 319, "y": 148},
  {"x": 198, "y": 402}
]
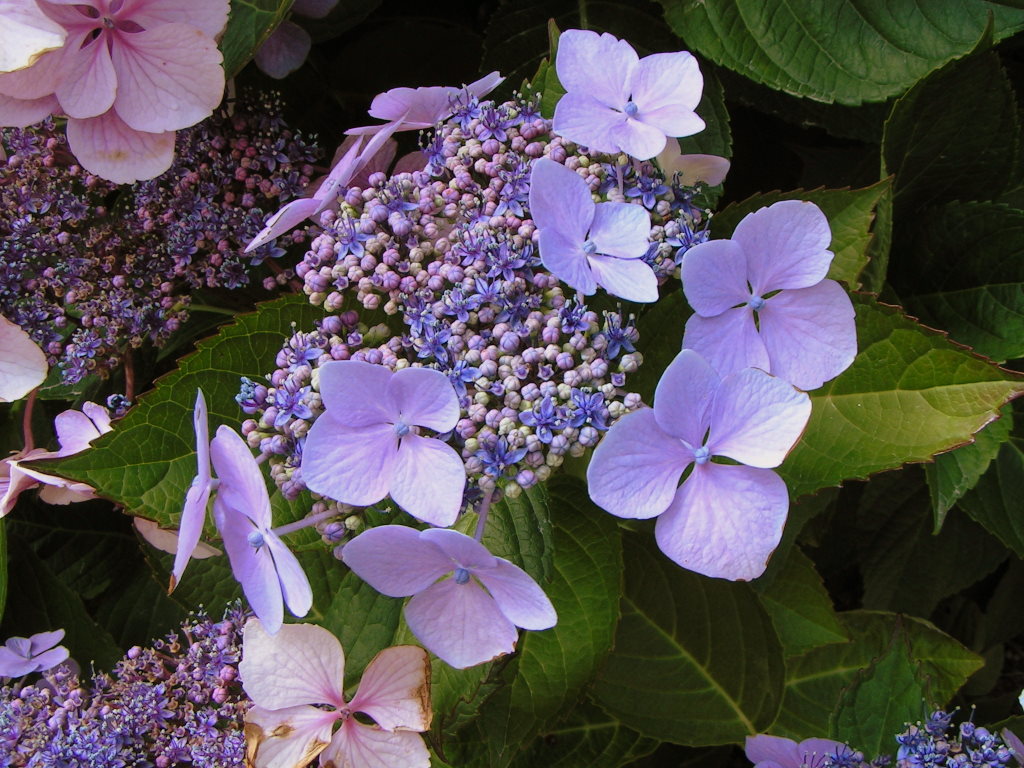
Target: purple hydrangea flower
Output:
[
  {"x": 24, "y": 655},
  {"x": 366, "y": 445},
  {"x": 466, "y": 619},
  {"x": 544, "y": 418},
  {"x": 766, "y": 751},
  {"x": 725, "y": 520},
  {"x": 618, "y": 102},
  {"x": 588, "y": 244},
  {"x": 774, "y": 266},
  {"x": 193, "y": 515}
]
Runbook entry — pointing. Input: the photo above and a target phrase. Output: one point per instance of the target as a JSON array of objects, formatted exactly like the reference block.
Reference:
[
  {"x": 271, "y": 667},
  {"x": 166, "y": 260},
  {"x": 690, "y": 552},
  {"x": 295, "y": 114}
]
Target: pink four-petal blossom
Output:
[
  {"x": 366, "y": 444},
  {"x": 725, "y": 520}
]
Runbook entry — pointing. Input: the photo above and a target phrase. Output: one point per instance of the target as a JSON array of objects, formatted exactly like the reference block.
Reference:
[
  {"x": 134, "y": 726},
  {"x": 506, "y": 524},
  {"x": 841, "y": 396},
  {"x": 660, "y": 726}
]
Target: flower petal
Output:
[
  {"x": 810, "y": 333},
  {"x": 565, "y": 259},
  {"x": 74, "y": 430},
  {"x": 90, "y": 86},
  {"x": 621, "y": 229},
  {"x": 692, "y": 169},
  {"x": 672, "y": 120},
  {"x": 683, "y": 397},
  {"x": 353, "y": 465},
  {"x": 395, "y": 560},
  {"x": 715, "y": 277},
  {"x": 638, "y": 139},
  {"x": 21, "y": 113},
  {"x": 395, "y": 689},
  {"x": 167, "y": 541},
  {"x": 629, "y": 279},
  {"x": 462, "y": 550},
  {"x": 354, "y": 393},
  {"x": 667, "y": 80},
  {"x": 14, "y": 480},
  {"x": 460, "y": 623},
  {"x": 786, "y": 245},
  {"x": 107, "y": 147},
  {"x": 425, "y": 397},
  {"x": 518, "y": 596},
  {"x": 242, "y": 486},
  {"x": 210, "y": 16},
  {"x": 636, "y": 467},
  {"x": 43, "y": 641},
  {"x": 429, "y": 479},
  {"x": 298, "y": 595},
  {"x": 756, "y": 419},
  {"x": 560, "y": 200},
  {"x": 300, "y": 664},
  {"x": 14, "y": 665},
  {"x": 599, "y": 65},
  {"x": 22, "y": 363},
  {"x": 253, "y": 568},
  {"x": 776, "y": 749},
  {"x": 725, "y": 521},
  {"x": 26, "y": 34},
  {"x": 286, "y": 738},
  {"x": 729, "y": 341},
  {"x": 193, "y": 515},
  {"x": 284, "y": 51},
  {"x": 366, "y": 746},
  {"x": 284, "y": 220},
  {"x": 39, "y": 80},
  {"x": 583, "y": 119}
]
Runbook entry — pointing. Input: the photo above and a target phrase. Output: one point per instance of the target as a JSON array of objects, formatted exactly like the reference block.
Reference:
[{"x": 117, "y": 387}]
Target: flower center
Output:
[
  {"x": 756, "y": 303},
  {"x": 589, "y": 247},
  {"x": 702, "y": 455},
  {"x": 631, "y": 109},
  {"x": 401, "y": 428},
  {"x": 255, "y": 539},
  {"x": 461, "y": 576}
]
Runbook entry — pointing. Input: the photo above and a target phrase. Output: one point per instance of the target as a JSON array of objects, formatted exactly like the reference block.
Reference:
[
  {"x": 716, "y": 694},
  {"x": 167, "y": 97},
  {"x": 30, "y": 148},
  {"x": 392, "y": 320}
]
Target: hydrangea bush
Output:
[{"x": 529, "y": 429}]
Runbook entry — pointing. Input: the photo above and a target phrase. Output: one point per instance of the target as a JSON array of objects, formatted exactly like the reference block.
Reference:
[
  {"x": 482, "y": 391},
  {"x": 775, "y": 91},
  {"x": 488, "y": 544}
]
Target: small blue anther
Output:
[
  {"x": 631, "y": 109},
  {"x": 589, "y": 247},
  {"x": 756, "y": 303},
  {"x": 255, "y": 539},
  {"x": 702, "y": 455},
  {"x": 461, "y": 576},
  {"x": 401, "y": 429}
]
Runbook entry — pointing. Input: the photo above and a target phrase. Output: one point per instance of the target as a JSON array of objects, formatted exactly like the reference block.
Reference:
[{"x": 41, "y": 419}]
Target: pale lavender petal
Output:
[
  {"x": 683, "y": 398},
  {"x": 253, "y": 569},
  {"x": 413, "y": 107},
  {"x": 284, "y": 220},
  {"x": 314, "y": 9},
  {"x": 14, "y": 480},
  {"x": 190, "y": 528},
  {"x": 560, "y": 201},
  {"x": 298, "y": 595},
  {"x": 21, "y": 113},
  {"x": 460, "y": 623},
  {"x": 518, "y": 596},
  {"x": 672, "y": 120},
  {"x": 629, "y": 279},
  {"x": 584, "y": 120},
  {"x": 621, "y": 229},
  {"x": 13, "y": 664},
  {"x": 812, "y": 751},
  {"x": 565, "y": 259},
  {"x": 50, "y": 659},
  {"x": 292, "y": 736},
  {"x": 667, "y": 80},
  {"x": 1013, "y": 741},
  {"x": 351, "y": 163},
  {"x": 109, "y": 148},
  {"x": 353, "y": 465},
  {"x": 284, "y": 51},
  {"x": 786, "y": 245},
  {"x": 810, "y": 333},
  {"x": 756, "y": 419},
  {"x": 367, "y": 746},
  {"x": 725, "y": 521},
  {"x": 90, "y": 86},
  {"x": 99, "y": 415},
  {"x": 428, "y": 480},
  {"x": 714, "y": 277},
  {"x": 395, "y": 560},
  {"x": 208, "y": 15},
  {"x": 599, "y": 65},
  {"x": 636, "y": 467},
  {"x": 395, "y": 689},
  {"x": 22, "y": 363},
  {"x": 729, "y": 341},
  {"x": 74, "y": 431},
  {"x": 242, "y": 486},
  {"x": 425, "y": 398},
  {"x": 775, "y": 749},
  {"x": 462, "y": 550},
  {"x": 42, "y": 641},
  {"x": 638, "y": 139},
  {"x": 485, "y": 84},
  {"x": 354, "y": 393}
]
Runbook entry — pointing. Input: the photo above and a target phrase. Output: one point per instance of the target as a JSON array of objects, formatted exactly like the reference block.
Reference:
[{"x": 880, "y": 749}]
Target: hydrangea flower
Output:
[
  {"x": 24, "y": 655},
  {"x": 193, "y": 515},
  {"x": 725, "y": 520},
  {"x": 588, "y": 244},
  {"x": 466, "y": 603},
  {"x": 26, "y": 34},
  {"x": 766, "y": 751},
  {"x": 617, "y": 102},
  {"x": 22, "y": 363},
  {"x": 295, "y": 679},
  {"x": 288, "y": 46},
  {"x": 366, "y": 445},
  {"x": 773, "y": 271}
]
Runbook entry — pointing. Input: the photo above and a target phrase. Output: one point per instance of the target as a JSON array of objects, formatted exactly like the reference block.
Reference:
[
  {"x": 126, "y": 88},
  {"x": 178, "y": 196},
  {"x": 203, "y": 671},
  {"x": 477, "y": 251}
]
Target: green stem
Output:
[
  {"x": 582, "y": 5},
  {"x": 211, "y": 310}
]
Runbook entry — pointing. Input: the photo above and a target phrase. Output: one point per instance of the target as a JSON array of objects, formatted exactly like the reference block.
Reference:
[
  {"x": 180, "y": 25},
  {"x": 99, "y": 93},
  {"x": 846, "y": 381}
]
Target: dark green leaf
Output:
[
  {"x": 139, "y": 611},
  {"x": 343, "y": 17},
  {"x": 520, "y": 530},
  {"x": 251, "y": 22},
  {"x": 661, "y": 337},
  {"x": 995, "y": 501}
]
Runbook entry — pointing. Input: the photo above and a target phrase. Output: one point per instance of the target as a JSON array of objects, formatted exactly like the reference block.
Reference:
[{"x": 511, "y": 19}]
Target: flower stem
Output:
[
  {"x": 485, "y": 507},
  {"x": 26, "y": 421},
  {"x": 305, "y": 522}
]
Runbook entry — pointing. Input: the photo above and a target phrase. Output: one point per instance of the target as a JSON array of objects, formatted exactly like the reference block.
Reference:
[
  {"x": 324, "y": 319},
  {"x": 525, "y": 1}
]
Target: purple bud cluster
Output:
[
  {"x": 937, "y": 744},
  {"x": 90, "y": 269},
  {"x": 178, "y": 702}
]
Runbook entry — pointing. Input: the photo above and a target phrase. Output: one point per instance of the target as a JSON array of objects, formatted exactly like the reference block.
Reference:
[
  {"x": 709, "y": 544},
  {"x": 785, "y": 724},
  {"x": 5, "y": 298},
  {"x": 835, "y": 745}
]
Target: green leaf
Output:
[
  {"x": 816, "y": 681},
  {"x": 836, "y": 50},
  {"x": 850, "y": 212},
  {"x": 139, "y": 611},
  {"x": 909, "y": 395},
  {"x": 955, "y": 473},
  {"x": 995, "y": 501},
  {"x": 661, "y": 338},
  {"x": 343, "y": 17},
  {"x": 251, "y": 22},
  {"x": 520, "y": 530},
  {"x": 965, "y": 275},
  {"x": 954, "y": 135},
  {"x": 799, "y": 605},
  {"x": 696, "y": 660}
]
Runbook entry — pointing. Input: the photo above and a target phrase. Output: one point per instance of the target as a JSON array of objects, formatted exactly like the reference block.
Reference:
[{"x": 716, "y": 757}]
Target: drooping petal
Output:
[
  {"x": 193, "y": 515},
  {"x": 599, "y": 65},
  {"x": 425, "y": 398},
  {"x": 242, "y": 486},
  {"x": 395, "y": 689},
  {"x": 253, "y": 568},
  {"x": 77, "y": 429},
  {"x": 714, "y": 277},
  {"x": 460, "y": 623},
  {"x": 351, "y": 164},
  {"x": 168, "y": 77},
  {"x": 683, "y": 397},
  {"x": 621, "y": 229},
  {"x": 636, "y": 467},
  {"x": 395, "y": 561},
  {"x": 107, "y": 147},
  {"x": 463, "y": 550},
  {"x": 725, "y": 521},
  {"x": 485, "y": 84},
  {"x": 353, "y": 392},
  {"x": 286, "y": 738},
  {"x": 638, "y": 139},
  {"x": 729, "y": 341},
  {"x": 692, "y": 169},
  {"x": 756, "y": 419},
  {"x": 295, "y": 589},
  {"x": 14, "y": 480},
  {"x": 61, "y": 491},
  {"x": 583, "y": 119},
  {"x": 168, "y": 541},
  {"x": 565, "y": 259},
  {"x": 99, "y": 416},
  {"x": 518, "y": 596},
  {"x": 210, "y": 16},
  {"x": 560, "y": 200},
  {"x": 810, "y": 333},
  {"x": 284, "y": 220},
  {"x": 786, "y": 245},
  {"x": 629, "y": 279},
  {"x": 21, "y": 113},
  {"x": 22, "y": 363},
  {"x": 353, "y": 465},
  {"x": 284, "y": 51},
  {"x": 26, "y": 34},
  {"x": 428, "y": 480},
  {"x": 366, "y": 746},
  {"x": 300, "y": 664},
  {"x": 90, "y": 86},
  {"x": 667, "y": 80}
]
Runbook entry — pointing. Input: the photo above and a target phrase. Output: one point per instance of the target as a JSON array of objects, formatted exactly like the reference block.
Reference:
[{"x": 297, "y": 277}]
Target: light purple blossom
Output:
[
  {"x": 725, "y": 520},
  {"x": 24, "y": 655},
  {"x": 588, "y": 244},
  {"x": 617, "y": 102},
  {"x": 766, "y": 751},
  {"x": 193, "y": 515},
  {"x": 774, "y": 266},
  {"x": 466, "y": 619},
  {"x": 366, "y": 445}
]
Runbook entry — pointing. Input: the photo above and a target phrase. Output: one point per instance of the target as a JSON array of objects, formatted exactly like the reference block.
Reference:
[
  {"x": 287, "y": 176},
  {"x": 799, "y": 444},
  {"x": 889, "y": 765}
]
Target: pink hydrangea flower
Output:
[
  {"x": 295, "y": 679},
  {"x": 24, "y": 655},
  {"x": 725, "y": 520},
  {"x": 466, "y": 619},
  {"x": 26, "y": 34},
  {"x": 773, "y": 269},
  {"x": 766, "y": 751},
  {"x": 617, "y": 102},
  {"x": 22, "y": 363},
  {"x": 131, "y": 73}
]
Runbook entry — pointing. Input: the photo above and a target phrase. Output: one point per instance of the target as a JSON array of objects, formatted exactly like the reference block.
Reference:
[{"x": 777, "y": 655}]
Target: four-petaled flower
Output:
[
  {"x": 466, "y": 602},
  {"x": 588, "y": 244},
  {"x": 295, "y": 679},
  {"x": 725, "y": 520},
  {"x": 24, "y": 655}
]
